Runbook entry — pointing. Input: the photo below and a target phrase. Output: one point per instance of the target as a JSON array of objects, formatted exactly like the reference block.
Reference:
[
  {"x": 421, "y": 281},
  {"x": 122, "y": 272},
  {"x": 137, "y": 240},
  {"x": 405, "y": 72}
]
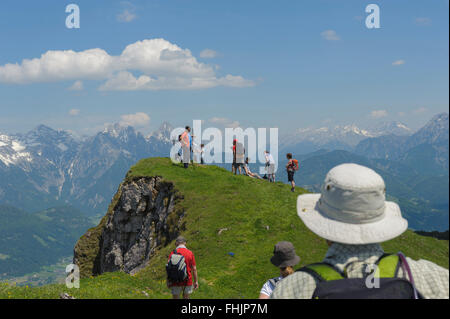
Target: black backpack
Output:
[
  {"x": 333, "y": 284},
  {"x": 176, "y": 268}
]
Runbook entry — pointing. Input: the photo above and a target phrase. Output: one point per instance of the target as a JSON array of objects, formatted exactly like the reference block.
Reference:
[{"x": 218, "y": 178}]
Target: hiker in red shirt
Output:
[{"x": 181, "y": 268}]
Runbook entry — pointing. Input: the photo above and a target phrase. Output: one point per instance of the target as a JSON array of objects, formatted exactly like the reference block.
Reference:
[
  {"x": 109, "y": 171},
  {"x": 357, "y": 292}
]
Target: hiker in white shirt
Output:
[
  {"x": 285, "y": 258},
  {"x": 270, "y": 166}
]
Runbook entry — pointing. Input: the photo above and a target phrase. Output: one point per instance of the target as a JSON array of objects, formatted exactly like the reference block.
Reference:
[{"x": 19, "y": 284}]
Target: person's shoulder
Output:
[
  {"x": 299, "y": 285},
  {"x": 186, "y": 251}
]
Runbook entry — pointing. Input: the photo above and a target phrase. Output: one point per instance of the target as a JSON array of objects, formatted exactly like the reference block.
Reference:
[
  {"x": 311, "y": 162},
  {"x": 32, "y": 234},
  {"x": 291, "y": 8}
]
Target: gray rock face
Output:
[{"x": 144, "y": 218}]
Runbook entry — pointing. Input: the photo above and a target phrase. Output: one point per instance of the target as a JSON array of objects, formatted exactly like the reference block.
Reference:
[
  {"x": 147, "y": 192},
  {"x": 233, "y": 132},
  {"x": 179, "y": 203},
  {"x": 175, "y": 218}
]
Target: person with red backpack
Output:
[{"x": 291, "y": 168}]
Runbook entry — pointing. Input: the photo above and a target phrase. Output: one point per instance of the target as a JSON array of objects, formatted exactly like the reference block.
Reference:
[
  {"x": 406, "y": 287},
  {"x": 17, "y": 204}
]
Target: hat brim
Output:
[
  {"x": 278, "y": 262},
  {"x": 391, "y": 226}
]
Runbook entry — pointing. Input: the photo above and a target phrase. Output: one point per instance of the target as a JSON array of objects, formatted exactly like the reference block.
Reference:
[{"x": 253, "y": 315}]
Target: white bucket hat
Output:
[{"x": 352, "y": 208}]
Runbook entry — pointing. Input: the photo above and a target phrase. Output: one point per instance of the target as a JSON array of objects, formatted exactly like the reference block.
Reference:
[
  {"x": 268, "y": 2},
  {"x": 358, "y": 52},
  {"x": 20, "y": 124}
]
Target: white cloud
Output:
[
  {"x": 225, "y": 122},
  {"x": 156, "y": 63},
  {"x": 129, "y": 12},
  {"x": 377, "y": 114},
  {"x": 126, "y": 16},
  {"x": 208, "y": 54},
  {"x": 74, "y": 112},
  {"x": 330, "y": 35},
  {"x": 55, "y": 66},
  {"x": 76, "y": 86},
  {"x": 138, "y": 119},
  {"x": 420, "y": 110},
  {"x": 398, "y": 62},
  {"x": 423, "y": 21}
]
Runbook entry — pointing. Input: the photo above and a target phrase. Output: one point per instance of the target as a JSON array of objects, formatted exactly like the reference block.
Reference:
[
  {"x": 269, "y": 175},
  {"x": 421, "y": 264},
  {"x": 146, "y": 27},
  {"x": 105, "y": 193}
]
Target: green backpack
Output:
[{"x": 334, "y": 284}]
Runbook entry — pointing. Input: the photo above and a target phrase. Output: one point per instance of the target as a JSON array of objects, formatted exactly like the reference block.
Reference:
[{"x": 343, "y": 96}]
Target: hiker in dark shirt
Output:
[{"x": 291, "y": 168}]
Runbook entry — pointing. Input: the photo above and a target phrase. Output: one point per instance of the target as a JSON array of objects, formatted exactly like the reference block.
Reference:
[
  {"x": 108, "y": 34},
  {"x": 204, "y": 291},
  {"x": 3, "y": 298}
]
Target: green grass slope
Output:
[{"x": 252, "y": 214}]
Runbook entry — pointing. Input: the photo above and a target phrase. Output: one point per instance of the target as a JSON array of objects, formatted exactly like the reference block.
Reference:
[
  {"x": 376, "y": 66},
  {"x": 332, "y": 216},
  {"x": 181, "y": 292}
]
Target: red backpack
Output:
[{"x": 294, "y": 164}]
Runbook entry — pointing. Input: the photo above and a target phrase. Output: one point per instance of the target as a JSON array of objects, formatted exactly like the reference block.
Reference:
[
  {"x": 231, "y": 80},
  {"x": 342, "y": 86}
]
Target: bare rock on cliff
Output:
[{"x": 142, "y": 217}]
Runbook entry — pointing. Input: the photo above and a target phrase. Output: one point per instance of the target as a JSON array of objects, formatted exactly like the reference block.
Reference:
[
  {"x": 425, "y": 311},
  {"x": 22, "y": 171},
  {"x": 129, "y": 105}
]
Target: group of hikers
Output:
[
  {"x": 188, "y": 148},
  {"x": 240, "y": 162},
  {"x": 352, "y": 215}
]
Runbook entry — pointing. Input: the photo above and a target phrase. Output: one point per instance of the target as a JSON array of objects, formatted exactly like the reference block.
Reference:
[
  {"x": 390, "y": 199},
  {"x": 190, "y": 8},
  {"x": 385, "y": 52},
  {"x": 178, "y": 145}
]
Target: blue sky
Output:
[{"x": 289, "y": 64}]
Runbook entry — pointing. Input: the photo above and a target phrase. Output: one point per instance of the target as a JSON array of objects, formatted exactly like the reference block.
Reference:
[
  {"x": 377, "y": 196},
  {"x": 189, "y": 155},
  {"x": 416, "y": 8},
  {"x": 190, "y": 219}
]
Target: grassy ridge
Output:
[{"x": 252, "y": 214}]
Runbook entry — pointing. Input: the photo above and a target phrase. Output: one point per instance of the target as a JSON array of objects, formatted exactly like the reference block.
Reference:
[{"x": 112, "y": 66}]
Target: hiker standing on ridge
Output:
[
  {"x": 240, "y": 156},
  {"x": 181, "y": 270},
  {"x": 291, "y": 168},
  {"x": 270, "y": 166},
  {"x": 285, "y": 258},
  {"x": 233, "y": 165},
  {"x": 202, "y": 154},
  {"x": 186, "y": 146},
  {"x": 352, "y": 214}
]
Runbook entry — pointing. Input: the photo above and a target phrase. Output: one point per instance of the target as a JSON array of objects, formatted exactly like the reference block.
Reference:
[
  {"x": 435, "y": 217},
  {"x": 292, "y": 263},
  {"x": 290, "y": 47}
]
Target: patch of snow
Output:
[{"x": 17, "y": 146}]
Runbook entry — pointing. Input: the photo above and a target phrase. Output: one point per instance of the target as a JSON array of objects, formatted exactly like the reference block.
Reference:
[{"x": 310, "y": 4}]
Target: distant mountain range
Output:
[
  {"x": 426, "y": 150},
  {"x": 415, "y": 168},
  {"x": 46, "y": 167},
  {"x": 343, "y": 137}
]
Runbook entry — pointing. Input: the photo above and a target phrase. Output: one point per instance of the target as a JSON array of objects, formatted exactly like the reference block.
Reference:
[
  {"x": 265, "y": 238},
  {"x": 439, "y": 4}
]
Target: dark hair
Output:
[
  {"x": 202, "y": 145},
  {"x": 246, "y": 160},
  {"x": 289, "y": 155},
  {"x": 188, "y": 127}
]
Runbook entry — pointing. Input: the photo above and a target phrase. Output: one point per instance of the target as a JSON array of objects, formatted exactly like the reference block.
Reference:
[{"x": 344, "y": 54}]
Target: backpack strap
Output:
[
  {"x": 388, "y": 265},
  {"x": 274, "y": 281},
  {"x": 323, "y": 272}
]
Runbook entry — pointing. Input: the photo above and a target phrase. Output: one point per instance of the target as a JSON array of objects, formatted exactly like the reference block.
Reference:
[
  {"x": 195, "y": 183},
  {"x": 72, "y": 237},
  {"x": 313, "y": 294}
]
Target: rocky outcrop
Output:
[{"x": 142, "y": 217}]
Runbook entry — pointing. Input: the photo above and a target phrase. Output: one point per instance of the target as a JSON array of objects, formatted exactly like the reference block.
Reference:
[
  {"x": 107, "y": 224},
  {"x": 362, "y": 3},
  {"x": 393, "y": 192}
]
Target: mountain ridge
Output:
[{"x": 223, "y": 214}]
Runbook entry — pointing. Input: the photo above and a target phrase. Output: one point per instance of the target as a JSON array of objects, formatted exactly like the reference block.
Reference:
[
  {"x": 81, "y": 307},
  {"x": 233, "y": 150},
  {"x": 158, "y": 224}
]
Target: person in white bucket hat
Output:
[{"x": 352, "y": 214}]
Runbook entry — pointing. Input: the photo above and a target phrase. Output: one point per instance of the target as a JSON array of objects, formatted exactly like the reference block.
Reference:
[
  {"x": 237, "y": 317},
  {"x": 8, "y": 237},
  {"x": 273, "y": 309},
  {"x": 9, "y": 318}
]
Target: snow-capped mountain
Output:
[
  {"x": 345, "y": 137},
  {"x": 427, "y": 148},
  {"x": 12, "y": 152},
  {"x": 391, "y": 128},
  {"x": 47, "y": 167}
]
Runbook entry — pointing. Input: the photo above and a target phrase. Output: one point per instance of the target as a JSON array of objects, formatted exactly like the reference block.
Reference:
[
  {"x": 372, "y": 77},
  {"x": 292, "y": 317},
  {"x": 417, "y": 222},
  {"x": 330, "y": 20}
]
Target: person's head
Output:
[
  {"x": 246, "y": 160},
  {"x": 284, "y": 257},
  {"x": 202, "y": 145},
  {"x": 352, "y": 208},
  {"x": 234, "y": 141},
  {"x": 180, "y": 241},
  {"x": 188, "y": 128},
  {"x": 266, "y": 152},
  {"x": 286, "y": 271},
  {"x": 289, "y": 155}
]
